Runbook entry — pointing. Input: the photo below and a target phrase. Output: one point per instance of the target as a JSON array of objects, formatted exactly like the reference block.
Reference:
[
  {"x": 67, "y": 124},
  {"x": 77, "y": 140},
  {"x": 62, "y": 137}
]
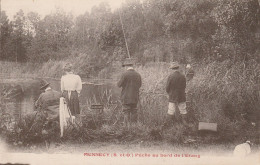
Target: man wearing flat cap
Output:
[
  {"x": 175, "y": 88},
  {"x": 48, "y": 101},
  {"x": 130, "y": 82}
]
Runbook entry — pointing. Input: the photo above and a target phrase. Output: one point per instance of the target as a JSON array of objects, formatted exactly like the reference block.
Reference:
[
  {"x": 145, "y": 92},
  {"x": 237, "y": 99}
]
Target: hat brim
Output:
[{"x": 44, "y": 86}]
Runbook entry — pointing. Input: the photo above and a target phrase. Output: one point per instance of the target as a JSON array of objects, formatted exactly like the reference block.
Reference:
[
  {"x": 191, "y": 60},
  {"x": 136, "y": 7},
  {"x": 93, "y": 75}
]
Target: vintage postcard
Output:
[{"x": 130, "y": 82}]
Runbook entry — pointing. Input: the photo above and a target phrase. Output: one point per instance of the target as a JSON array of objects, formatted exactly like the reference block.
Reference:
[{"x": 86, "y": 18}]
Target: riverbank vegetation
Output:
[{"x": 220, "y": 38}]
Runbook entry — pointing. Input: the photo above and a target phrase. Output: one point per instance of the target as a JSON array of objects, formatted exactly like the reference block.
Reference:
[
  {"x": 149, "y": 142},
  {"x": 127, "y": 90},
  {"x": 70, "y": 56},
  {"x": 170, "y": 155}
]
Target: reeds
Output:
[{"x": 221, "y": 92}]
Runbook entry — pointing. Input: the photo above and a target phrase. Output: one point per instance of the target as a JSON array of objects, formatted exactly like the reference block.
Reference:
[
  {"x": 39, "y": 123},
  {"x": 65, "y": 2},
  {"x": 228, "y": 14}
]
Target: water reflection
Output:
[{"x": 24, "y": 92}]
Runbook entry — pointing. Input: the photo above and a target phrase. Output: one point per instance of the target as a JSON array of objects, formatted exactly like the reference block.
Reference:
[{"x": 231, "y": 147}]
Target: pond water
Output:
[{"x": 93, "y": 92}]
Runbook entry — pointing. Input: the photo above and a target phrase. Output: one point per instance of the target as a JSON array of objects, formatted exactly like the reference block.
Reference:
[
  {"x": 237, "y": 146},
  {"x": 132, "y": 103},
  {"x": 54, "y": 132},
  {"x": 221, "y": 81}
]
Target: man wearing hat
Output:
[
  {"x": 175, "y": 88},
  {"x": 48, "y": 101},
  {"x": 130, "y": 82}
]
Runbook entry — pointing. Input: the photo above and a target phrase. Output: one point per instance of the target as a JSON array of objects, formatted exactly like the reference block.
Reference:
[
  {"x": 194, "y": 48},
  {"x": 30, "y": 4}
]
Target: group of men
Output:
[{"x": 130, "y": 82}]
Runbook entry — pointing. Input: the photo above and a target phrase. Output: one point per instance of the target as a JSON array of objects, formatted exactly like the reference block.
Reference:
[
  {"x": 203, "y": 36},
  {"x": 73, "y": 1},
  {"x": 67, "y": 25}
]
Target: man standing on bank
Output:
[
  {"x": 175, "y": 88},
  {"x": 130, "y": 82}
]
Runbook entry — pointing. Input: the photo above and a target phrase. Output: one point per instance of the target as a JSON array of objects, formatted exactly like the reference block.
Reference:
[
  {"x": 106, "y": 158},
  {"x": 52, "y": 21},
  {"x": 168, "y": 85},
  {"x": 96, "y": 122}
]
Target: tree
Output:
[
  {"x": 154, "y": 24},
  {"x": 18, "y": 36},
  {"x": 237, "y": 22},
  {"x": 80, "y": 34},
  {"x": 32, "y": 23},
  {"x": 5, "y": 37},
  {"x": 52, "y": 36}
]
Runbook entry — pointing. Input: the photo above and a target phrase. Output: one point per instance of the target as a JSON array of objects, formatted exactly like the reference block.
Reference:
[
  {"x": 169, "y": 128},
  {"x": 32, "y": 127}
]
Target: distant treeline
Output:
[{"x": 155, "y": 30}]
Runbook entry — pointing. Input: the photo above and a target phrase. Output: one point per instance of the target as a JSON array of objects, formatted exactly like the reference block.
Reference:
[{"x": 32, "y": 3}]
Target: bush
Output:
[{"x": 221, "y": 92}]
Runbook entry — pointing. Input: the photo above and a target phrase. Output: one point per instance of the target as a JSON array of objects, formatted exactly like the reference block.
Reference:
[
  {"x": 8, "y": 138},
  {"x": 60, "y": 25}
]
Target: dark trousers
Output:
[
  {"x": 72, "y": 102},
  {"x": 131, "y": 111}
]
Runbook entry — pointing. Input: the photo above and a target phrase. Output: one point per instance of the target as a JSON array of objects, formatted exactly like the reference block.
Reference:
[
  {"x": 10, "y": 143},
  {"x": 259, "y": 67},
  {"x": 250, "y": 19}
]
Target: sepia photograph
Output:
[{"x": 129, "y": 82}]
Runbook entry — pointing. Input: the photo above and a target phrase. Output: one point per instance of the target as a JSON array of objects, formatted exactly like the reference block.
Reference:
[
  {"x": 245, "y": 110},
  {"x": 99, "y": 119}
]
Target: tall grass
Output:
[
  {"x": 153, "y": 98},
  {"x": 12, "y": 69},
  {"x": 25, "y": 70},
  {"x": 219, "y": 92}
]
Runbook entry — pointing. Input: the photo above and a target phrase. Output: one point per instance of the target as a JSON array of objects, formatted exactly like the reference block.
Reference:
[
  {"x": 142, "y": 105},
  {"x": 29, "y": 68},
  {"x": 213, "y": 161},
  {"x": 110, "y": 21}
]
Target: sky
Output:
[{"x": 44, "y": 7}]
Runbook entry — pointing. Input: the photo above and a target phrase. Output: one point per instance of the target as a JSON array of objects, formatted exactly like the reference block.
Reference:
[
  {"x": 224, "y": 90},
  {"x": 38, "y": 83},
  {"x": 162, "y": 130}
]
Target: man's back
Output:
[
  {"x": 49, "y": 102},
  {"x": 175, "y": 87},
  {"x": 51, "y": 97},
  {"x": 130, "y": 82}
]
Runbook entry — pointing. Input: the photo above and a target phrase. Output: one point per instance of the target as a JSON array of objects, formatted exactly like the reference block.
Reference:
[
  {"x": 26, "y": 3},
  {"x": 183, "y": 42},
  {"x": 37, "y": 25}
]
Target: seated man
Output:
[{"x": 48, "y": 102}]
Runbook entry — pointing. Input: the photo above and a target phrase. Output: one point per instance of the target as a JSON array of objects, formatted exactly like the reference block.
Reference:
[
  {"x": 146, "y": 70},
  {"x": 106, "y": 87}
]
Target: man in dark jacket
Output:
[
  {"x": 130, "y": 82},
  {"x": 48, "y": 102},
  {"x": 46, "y": 116},
  {"x": 175, "y": 88}
]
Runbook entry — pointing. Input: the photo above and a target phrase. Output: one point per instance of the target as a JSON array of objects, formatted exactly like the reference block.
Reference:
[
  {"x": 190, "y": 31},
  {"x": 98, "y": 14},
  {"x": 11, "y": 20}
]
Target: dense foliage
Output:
[
  {"x": 219, "y": 37},
  {"x": 156, "y": 30}
]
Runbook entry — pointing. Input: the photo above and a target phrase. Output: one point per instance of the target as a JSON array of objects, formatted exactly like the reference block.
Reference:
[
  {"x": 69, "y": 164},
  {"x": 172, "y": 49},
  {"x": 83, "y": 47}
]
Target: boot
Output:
[{"x": 168, "y": 122}]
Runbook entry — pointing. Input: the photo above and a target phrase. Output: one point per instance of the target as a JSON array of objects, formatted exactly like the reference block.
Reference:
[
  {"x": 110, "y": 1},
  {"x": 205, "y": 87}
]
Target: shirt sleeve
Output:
[{"x": 79, "y": 85}]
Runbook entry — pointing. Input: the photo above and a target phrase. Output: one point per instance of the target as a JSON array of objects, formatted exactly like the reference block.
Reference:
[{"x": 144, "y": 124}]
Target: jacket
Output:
[
  {"x": 49, "y": 101},
  {"x": 130, "y": 82},
  {"x": 175, "y": 87}
]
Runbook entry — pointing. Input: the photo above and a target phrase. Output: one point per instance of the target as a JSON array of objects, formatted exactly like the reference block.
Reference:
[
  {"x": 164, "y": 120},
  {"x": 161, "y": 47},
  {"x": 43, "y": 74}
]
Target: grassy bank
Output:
[
  {"x": 82, "y": 66},
  {"x": 224, "y": 93},
  {"x": 23, "y": 70},
  {"x": 220, "y": 92}
]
